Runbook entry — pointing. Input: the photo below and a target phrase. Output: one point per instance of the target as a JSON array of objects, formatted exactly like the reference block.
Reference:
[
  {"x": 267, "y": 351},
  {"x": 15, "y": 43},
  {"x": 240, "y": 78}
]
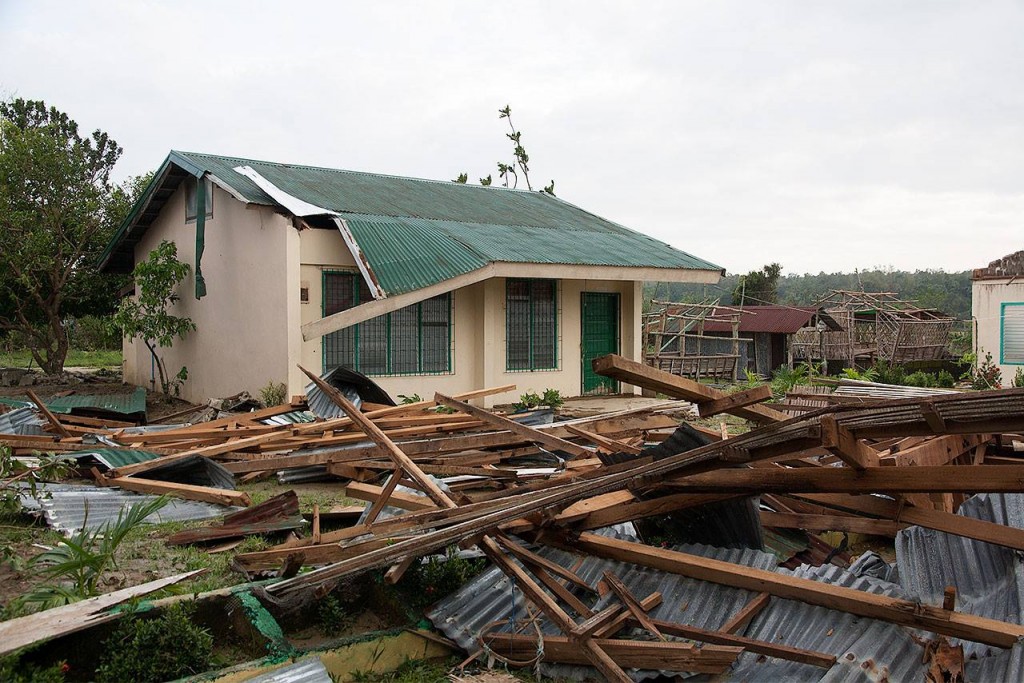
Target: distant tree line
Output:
[{"x": 933, "y": 289}]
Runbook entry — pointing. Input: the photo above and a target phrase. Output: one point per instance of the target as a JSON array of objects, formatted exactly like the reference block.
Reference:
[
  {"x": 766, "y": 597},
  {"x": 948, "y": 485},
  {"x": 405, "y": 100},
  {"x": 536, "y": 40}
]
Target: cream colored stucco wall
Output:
[
  {"x": 242, "y": 339},
  {"x": 478, "y": 332},
  {"x": 987, "y": 297}
]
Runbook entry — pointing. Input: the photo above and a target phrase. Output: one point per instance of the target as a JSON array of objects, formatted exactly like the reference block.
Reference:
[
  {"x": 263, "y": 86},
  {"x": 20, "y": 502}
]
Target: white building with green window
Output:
[
  {"x": 997, "y": 311},
  {"x": 423, "y": 285}
]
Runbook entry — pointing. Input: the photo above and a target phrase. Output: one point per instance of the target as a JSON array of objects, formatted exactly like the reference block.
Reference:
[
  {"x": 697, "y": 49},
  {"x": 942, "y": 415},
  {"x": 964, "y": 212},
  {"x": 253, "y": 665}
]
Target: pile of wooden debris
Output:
[{"x": 466, "y": 476}]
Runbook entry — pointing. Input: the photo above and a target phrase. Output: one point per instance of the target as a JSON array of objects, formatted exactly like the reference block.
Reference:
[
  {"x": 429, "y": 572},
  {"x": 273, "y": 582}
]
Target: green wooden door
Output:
[{"x": 600, "y": 336}]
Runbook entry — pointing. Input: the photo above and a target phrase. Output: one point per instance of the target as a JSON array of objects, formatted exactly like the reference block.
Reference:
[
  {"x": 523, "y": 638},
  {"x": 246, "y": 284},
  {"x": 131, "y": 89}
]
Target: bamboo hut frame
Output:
[
  {"x": 880, "y": 326},
  {"x": 666, "y": 329}
]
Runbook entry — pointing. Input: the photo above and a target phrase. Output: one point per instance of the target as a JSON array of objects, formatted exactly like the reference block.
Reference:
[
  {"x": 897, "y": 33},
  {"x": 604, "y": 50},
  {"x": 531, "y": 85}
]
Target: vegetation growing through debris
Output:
[
  {"x": 17, "y": 478},
  {"x": 551, "y": 398},
  {"x": 427, "y": 582},
  {"x": 274, "y": 394},
  {"x": 161, "y": 649},
  {"x": 58, "y": 210},
  {"x": 79, "y": 564},
  {"x": 520, "y": 165},
  {"x": 146, "y": 316},
  {"x": 14, "y": 670}
]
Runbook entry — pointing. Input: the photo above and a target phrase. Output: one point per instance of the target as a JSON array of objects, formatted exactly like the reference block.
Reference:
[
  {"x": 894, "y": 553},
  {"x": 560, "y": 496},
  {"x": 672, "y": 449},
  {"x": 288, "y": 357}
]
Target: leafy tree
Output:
[
  {"x": 520, "y": 164},
  {"x": 146, "y": 316},
  {"x": 58, "y": 210},
  {"x": 758, "y": 286}
]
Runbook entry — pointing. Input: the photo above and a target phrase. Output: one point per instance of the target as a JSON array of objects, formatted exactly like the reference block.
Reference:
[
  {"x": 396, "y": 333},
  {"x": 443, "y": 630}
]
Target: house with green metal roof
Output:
[{"x": 423, "y": 285}]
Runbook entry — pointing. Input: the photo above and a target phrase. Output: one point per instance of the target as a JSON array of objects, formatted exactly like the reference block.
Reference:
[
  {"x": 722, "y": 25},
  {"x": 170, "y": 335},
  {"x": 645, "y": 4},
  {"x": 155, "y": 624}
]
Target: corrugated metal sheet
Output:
[
  {"x": 71, "y": 507},
  {"x": 772, "y": 319},
  {"x": 310, "y": 670},
  {"x": 989, "y": 579},
  {"x": 867, "y": 650},
  {"x": 23, "y": 421},
  {"x": 133, "y": 403}
]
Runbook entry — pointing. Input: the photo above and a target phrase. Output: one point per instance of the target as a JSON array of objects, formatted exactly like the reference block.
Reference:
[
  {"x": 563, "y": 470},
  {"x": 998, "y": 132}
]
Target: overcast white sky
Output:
[{"x": 825, "y": 136}]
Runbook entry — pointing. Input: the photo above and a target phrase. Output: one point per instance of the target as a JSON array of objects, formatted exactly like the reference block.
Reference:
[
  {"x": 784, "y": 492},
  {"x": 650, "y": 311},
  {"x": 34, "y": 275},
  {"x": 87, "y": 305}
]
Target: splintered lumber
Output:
[
  {"x": 958, "y": 525},
  {"x": 631, "y": 654},
  {"x": 206, "y": 494},
  {"x": 861, "y": 603},
  {"x": 594, "y": 654},
  {"x": 528, "y": 433},
  {"x": 926, "y": 479},
  {"x": 641, "y": 375},
  {"x": 937, "y": 451},
  {"x": 612, "y": 619},
  {"x": 843, "y": 443},
  {"x": 735, "y": 400},
  {"x": 59, "y": 621},
  {"x": 610, "y": 445},
  {"x": 279, "y": 513}
]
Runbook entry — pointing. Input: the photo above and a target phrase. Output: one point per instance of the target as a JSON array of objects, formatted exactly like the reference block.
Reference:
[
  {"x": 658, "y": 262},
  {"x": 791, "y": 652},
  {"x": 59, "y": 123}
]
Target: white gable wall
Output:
[{"x": 987, "y": 299}]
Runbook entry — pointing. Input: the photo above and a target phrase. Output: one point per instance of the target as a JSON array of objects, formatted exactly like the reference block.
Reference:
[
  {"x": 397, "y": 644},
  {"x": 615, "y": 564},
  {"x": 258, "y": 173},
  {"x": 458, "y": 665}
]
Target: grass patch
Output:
[{"x": 76, "y": 358}]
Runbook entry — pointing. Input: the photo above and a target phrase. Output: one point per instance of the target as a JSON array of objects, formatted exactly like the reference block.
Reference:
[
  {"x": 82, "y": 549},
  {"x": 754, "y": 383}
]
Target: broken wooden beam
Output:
[
  {"x": 206, "y": 494},
  {"x": 638, "y": 374},
  {"x": 730, "y": 402}
]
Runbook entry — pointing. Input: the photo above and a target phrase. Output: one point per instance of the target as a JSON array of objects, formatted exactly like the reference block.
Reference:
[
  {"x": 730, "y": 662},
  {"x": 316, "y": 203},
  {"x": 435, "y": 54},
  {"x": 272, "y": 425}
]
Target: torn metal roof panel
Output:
[
  {"x": 24, "y": 421},
  {"x": 132, "y": 404},
  {"x": 310, "y": 670},
  {"x": 70, "y": 507}
]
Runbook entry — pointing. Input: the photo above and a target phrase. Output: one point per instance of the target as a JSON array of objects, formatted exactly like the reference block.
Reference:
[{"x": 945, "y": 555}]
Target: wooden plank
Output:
[
  {"x": 612, "y": 619},
  {"x": 373, "y": 493},
  {"x": 556, "y": 569},
  {"x": 904, "y": 612},
  {"x": 610, "y": 445},
  {"x": 843, "y": 443},
  {"x": 939, "y": 450},
  {"x": 730, "y": 402},
  {"x": 528, "y": 433},
  {"x": 206, "y": 494},
  {"x": 383, "y": 497},
  {"x": 50, "y": 417},
  {"x": 60, "y": 621},
  {"x": 1008, "y": 537},
  {"x": 644, "y": 376},
  {"x": 855, "y": 525},
  {"x": 632, "y": 654},
  {"x": 594, "y": 654},
  {"x": 739, "y": 621},
  {"x": 926, "y": 479},
  {"x": 631, "y": 604},
  {"x": 793, "y": 654}
]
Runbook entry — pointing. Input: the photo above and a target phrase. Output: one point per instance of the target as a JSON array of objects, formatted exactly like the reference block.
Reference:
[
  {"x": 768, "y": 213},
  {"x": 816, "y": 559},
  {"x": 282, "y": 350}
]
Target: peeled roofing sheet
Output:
[
  {"x": 71, "y": 507},
  {"x": 24, "y": 421}
]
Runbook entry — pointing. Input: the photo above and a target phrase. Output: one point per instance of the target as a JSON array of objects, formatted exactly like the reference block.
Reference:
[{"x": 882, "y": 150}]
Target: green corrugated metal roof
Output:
[
  {"x": 114, "y": 457},
  {"x": 126, "y": 404},
  {"x": 417, "y": 232}
]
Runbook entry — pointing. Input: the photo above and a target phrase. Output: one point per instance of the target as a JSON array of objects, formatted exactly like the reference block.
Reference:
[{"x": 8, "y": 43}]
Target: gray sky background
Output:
[{"x": 825, "y": 136}]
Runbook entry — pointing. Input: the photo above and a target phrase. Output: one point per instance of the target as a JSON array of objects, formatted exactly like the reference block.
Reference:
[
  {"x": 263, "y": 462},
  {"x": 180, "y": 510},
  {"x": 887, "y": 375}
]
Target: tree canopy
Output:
[
  {"x": 58, "y": 209},
  {"x": 758, "y": 287}
]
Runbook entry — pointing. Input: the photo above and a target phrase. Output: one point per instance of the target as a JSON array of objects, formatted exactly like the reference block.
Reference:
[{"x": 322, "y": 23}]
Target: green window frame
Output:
[
  {"x": 531, "y": 325},
  {"x": 414, "y": 340},
  {"x": 1011, "y": 333}
]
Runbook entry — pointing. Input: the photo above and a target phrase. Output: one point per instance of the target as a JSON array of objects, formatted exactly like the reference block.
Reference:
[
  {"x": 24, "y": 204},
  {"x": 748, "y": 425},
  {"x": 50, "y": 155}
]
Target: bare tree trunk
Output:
[{"x": 159, "y": 366}]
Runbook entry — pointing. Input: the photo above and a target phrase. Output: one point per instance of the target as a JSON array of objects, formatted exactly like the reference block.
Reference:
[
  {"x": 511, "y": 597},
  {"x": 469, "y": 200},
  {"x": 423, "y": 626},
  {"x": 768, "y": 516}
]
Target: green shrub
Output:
[
  {"x": 551, "y": 398},
  {"x": 1018, "y": 378},
  {"x": 332, "y": 616},
  {"x": 946, "y": 379},
  {"x": 427, "y": 582},
  {"x": 889, "y": 374},
  {"x": 274, "y": 394},
  {"x": 987, "y": 375},
  {"x": 161, "y": 649},
  {"x": 921, "y": 379},
  {"x": 12, "y": 670}
]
